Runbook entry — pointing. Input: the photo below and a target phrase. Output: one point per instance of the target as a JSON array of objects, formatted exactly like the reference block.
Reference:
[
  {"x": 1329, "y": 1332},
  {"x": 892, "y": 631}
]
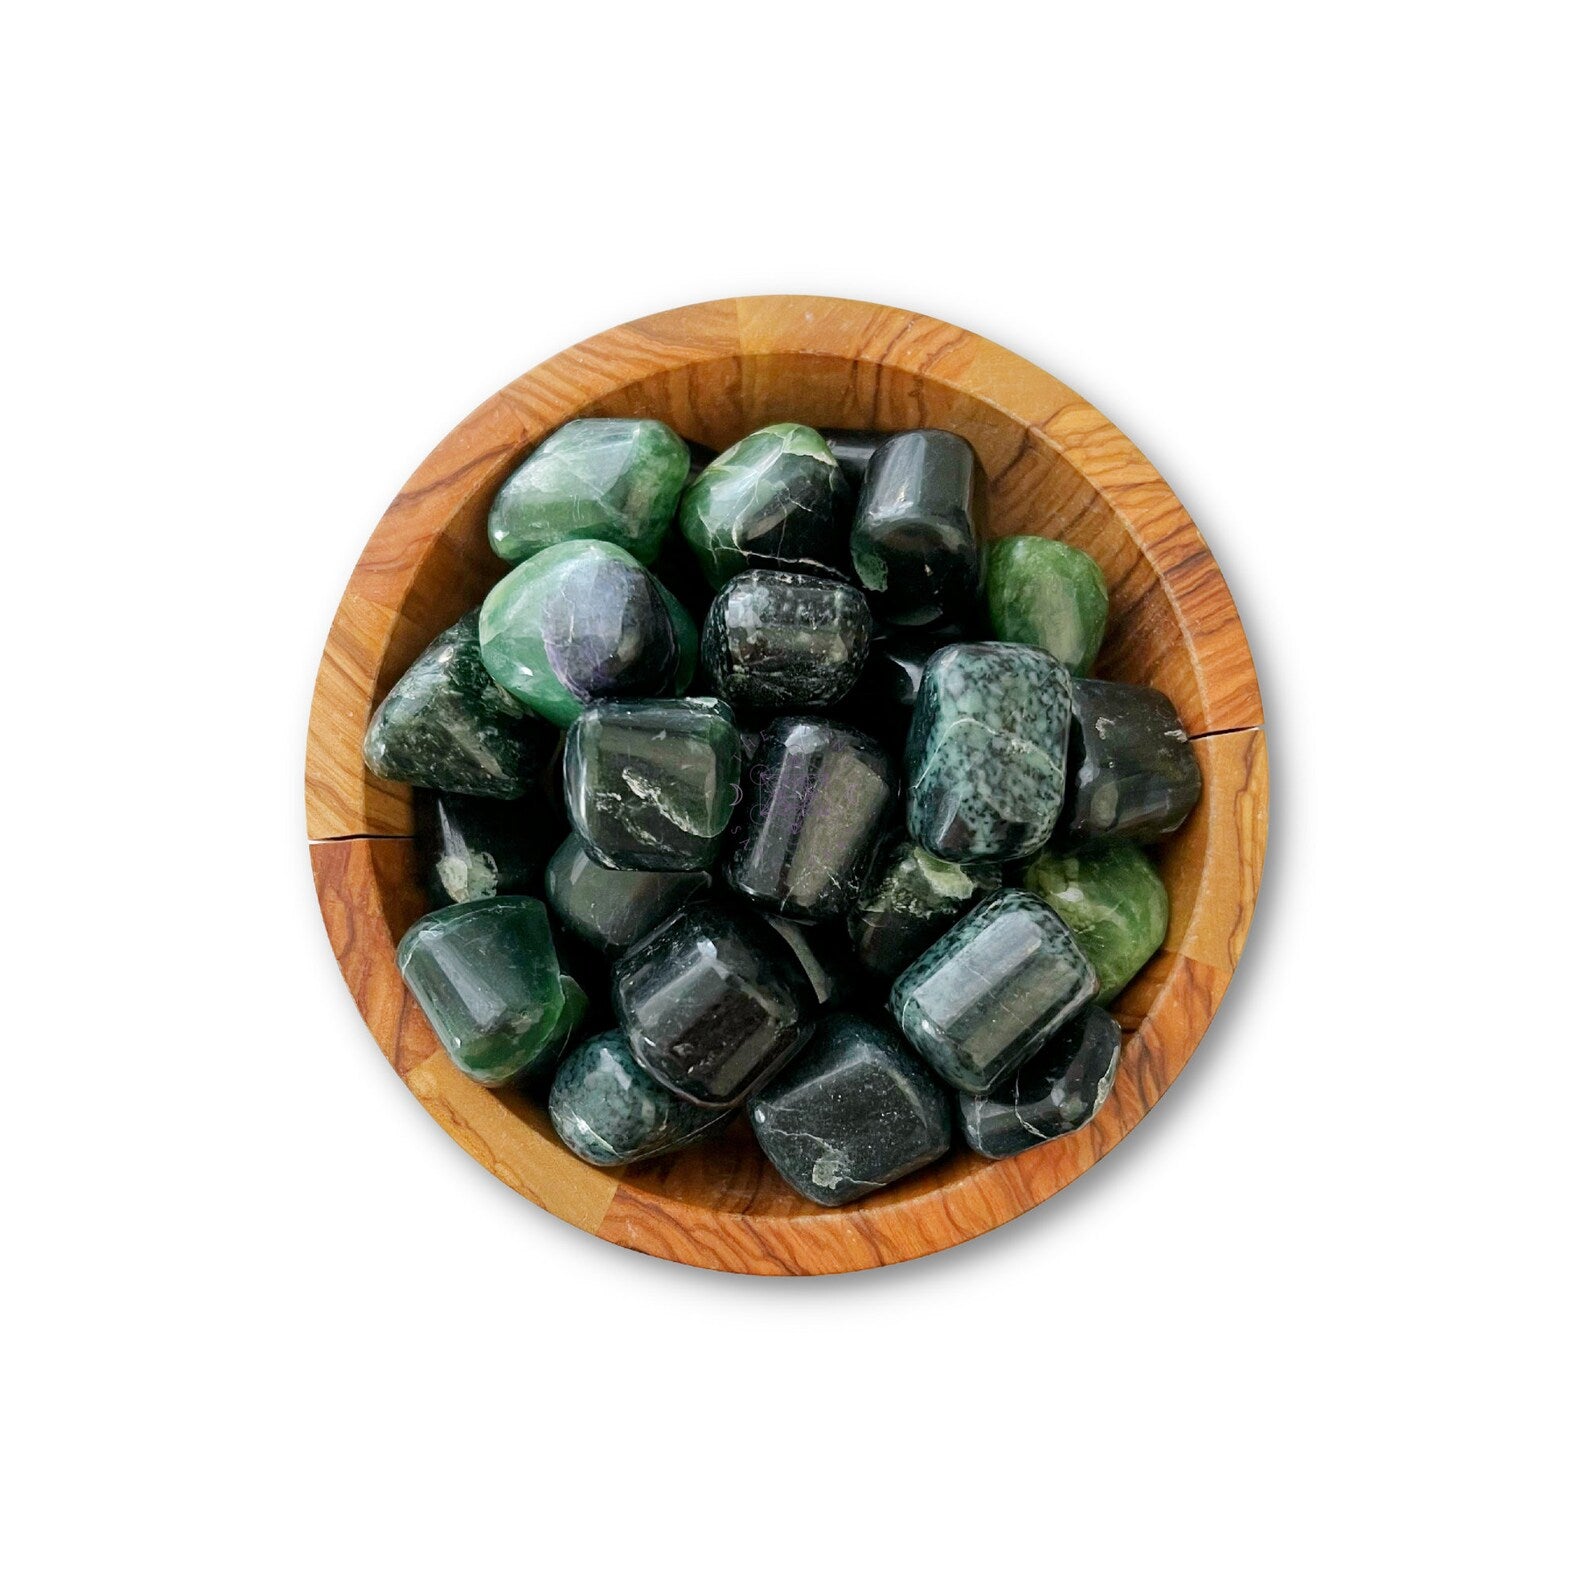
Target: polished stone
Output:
[
  {"x": 687, "y": 638},
  {"x": 915, "y": 527},
  {"x": 854, "y": 1113},
  {"x": 608, "y": 1111},
  {"x": 909, "y": 899},
  {"x": 616, "y": 480},
  {"x": 852, "y": 450},
  {"x": 609, "y": 909},
  {"x": 468, "y": 848},
  {"x": 1113, "y": 901},
  {"x": 1133, "y": 772},
  {"x": 820, "y": 797},
  {"x": 1049, "y": 1096},
  {"x": 1045, "y": 593},
  {"x": 776, "y": 499},
  {"x": 984, "y": 765},
  {"x": 581, "y": 621},
  {"x": 712, "y": 1003},
  {"x": 446, "y": 724},
  {"x": 486, "y": 976},
  {"x": 824, "y": 955},
  {"x": 992, "y": 990},
  {"x": 785, "y": 641},
  {"x": 883, "y": 700},
  {"x": 650, "y": 785}
]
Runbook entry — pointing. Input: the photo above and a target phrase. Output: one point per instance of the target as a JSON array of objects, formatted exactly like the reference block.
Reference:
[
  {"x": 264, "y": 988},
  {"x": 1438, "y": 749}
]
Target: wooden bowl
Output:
[{"x": 1055, "y": 467}]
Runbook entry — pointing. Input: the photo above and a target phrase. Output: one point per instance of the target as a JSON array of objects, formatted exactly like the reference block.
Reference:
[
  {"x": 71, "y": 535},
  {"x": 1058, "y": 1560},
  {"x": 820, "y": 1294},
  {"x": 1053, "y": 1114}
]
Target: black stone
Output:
[
  {"x": 612, "y": 910},
  {"x": 852, "y": 450},
  {"x": 883, "y": 700},
  {"x": 784, "y": 641},
  {"x": 909, "y": 899},
  {"x": 825, "y": 957},
  {"x": 1133, "y": 773},
  {"x": 471, "y": 848},
  {"x": 856, "y": 1112},
  {"x": 1058, "y": 1091},
  {"x": 820, "y": 797},
  {"x": 915, "y": 528},
  {"x": 713, "y": 1003}
]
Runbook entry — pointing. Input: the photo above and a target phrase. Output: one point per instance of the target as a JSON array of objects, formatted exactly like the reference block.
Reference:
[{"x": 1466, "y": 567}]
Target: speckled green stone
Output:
[
  {"x": 1042, "y": 592},
  {"x": 1114, "y": 903},
  {"x": 595, "y": 479}
]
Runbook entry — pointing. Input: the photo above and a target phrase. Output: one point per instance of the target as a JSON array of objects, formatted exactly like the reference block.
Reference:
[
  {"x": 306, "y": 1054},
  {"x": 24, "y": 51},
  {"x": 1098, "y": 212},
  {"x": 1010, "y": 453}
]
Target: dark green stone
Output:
[
  {"x": 909, "y": 900},
  {"x": 1042, "y": 592},
  {"x": 446, "y": 724},
  {"x": 470, "y": 848},
  {"x": 610, "y": 909}
]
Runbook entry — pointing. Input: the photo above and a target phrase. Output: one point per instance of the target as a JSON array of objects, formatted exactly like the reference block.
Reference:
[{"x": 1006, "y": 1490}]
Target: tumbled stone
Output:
[
  {"x": 616, "y": 480},
  {"x": 852, "y": 450},
  {"x": 712, "y": 1003},
  {"x": 883, "y": 700},
  {"x": 446, "y": 724},
  {"x": 468, "y": 848},
  {"x": 824, "y": 956},
  {"x": 581, "y": 621},
  {"x": 486, "y": 976},
  {"x": 1114, "y": 903},
  {"x": 1044, "y": 593},
  {"x": 687, "y": 638},
  {"x": 611, "y": 910},
  {"x": 1133, "y": 773},
  {"x": 783, "y": 641},
  {"x": 992, "y": 990},
  {"x": 854, "y": 1113},
  {"x": 984, "y": 764},
  {"x": 914, "y": 537},
  {"x": 909, "y": 899},
  {"x": 608, "y": 1111},
  {"x": 1049, "y": 1096},
  {"x": 776, "y": 499},
  {"x": 820, "y": 796},
  {"x": 650, "y": 785}
]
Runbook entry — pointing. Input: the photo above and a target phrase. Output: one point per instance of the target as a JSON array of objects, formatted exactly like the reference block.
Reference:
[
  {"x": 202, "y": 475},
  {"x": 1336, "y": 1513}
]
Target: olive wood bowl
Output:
[{"x": 1055, "y": 466}]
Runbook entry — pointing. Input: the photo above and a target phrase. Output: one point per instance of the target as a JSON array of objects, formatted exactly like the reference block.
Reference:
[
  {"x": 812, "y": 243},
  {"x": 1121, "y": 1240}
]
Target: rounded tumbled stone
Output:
[
  {"x": 992, "y": 990},
  {"x": 610, "y": 909},
  {"x": 776, "y": 499},
  {"x": 785, "y": 641},
  {"x": 852, "y": 450},
  {"x": 581, "y": 621},
  {"x": 824, "y": 955},
  {"x": 468, "y": 848},
  {"x": 1042, "y": 592},
  {"x": 854, "y": 1113},
  {"x": 615, "y": 480},
  {"x": 1049, "y": 1096}
]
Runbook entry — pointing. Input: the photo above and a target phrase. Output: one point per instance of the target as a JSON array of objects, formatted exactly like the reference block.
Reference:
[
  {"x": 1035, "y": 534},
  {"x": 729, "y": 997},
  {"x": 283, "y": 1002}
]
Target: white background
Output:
[{"x": 1318, "y": 1321}]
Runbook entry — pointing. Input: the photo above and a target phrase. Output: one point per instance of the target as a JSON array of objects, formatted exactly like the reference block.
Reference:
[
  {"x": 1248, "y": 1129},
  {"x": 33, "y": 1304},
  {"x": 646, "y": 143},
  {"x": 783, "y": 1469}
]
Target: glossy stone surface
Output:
[
  {"x": 446, "y": 724},
  {"x": 487, "y": 977},
  {"x": 712, "y": 1003},
  {"x": 685, "y": 636},
  {"x": 824, "y": 955},
  {"x": 612, "y": 910},
  {"x": 984, "y": 764},
  {"x": 776, "y": 499},
  {"x": 581, "y": 621},
  {"x": 883, "y": 700},
  {"x": 468, "y": 848},
  {"x": 820, "y": 798},
  {"x": 650, "y": 785},
  {"x": 909, "y": 899},
  {"x": 1134, "y": 773},
  {"x": 1057, "y": 1092},
  {"x": 852, "y": 450},
  {"x": 914, "y": 540},
  {"x": 785, "y": 641},
  {"x": 1114, "y": 903},
  {"x": 992, "y": 990},
  {"x": 854, "y": 1113},
  {"x": 1045, "y": 593},
  {"x": 608, "y": 1111},
  {"x": 616, "y": 480}
]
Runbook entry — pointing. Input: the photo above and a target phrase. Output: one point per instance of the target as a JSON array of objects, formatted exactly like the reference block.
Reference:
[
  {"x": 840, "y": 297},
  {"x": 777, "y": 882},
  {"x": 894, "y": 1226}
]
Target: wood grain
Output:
[{"x": 1056, "y": 467}]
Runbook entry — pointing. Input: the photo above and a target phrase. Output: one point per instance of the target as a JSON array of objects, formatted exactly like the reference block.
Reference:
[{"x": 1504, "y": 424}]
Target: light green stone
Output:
[
  {"x": 1041, "y": 592},
  {"x": 594, "y": 479},
  {"x": 1115, "y": 904}
]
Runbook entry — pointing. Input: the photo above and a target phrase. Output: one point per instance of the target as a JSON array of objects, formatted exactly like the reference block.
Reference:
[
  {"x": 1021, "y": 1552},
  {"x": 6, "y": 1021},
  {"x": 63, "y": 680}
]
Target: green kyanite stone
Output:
[
  {"x": 486, "y": 975},
  {"x": 776, "y": 499},
  {"x": 1044, "y": 593},
  {"x": 1114, "y": 903},
  {"x": 595, "y": 479}
]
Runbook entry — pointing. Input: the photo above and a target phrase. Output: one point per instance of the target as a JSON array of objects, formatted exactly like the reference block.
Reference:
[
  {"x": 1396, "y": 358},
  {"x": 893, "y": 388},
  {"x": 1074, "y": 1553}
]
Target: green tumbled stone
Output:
[
  {"x": 1044, "y": 593},
  {"x": 686, "y": 634},
  {"x": 595, "y": 479},
  {"x": 1114, "y": 903},
  {"x": 776, "y": 499},
  {"x": 487, "y": 977}
]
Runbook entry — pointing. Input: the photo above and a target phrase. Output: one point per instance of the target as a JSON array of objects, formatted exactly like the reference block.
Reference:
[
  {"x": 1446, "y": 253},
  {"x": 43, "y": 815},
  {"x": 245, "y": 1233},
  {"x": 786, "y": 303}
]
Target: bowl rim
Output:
[{"x": 359, "y": 828}]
